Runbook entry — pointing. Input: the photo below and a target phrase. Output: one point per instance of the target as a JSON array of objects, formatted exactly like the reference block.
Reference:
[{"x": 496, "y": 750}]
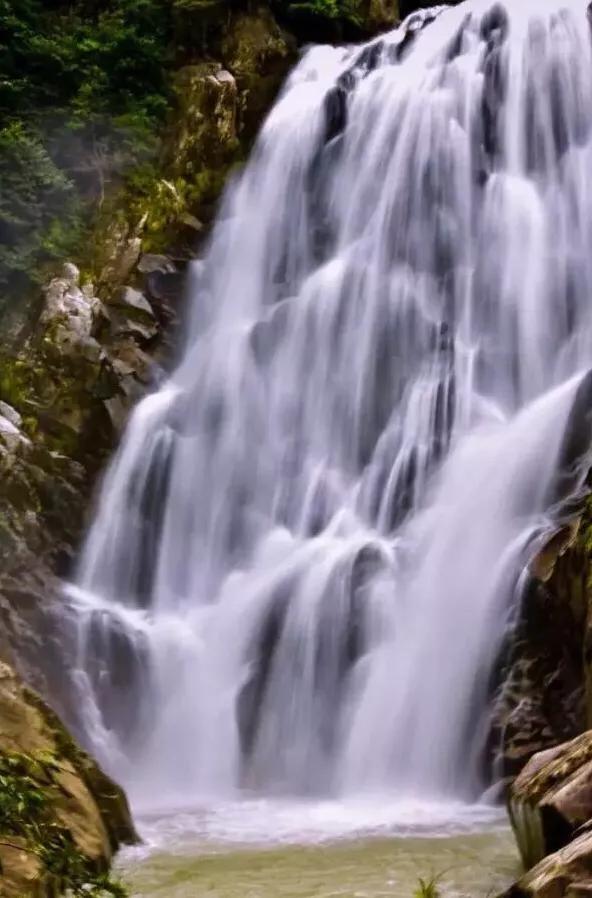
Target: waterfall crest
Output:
[{"x": 311, "y": 543}]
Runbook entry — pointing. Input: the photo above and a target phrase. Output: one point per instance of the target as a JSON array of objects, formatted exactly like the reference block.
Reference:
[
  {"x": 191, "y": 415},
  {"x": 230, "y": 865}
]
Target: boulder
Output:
[
  {"x": 67, "y": 818},
  {"x": 130, "y": 314},
  {"x": 11, "y": 414},
  {"x": 11, "y": 436},
  {"x": 552, "y": 798},
  {"x": 151, "y": 262},
  {"x": 565, "y": 874},
  {"x": 133, "y": 300},
  {"x": 555, "y": 546},
  {"x": 68, "y": 315},
  {"x": 119, "y": 251}
]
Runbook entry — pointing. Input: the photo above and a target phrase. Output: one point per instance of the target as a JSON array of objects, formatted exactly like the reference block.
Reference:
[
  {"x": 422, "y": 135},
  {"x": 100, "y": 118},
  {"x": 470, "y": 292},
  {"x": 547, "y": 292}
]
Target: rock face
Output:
[
  {"x": 545, "y": 697},
  {"x": 259, "y": 54},
  {"x": 552, "y": 798},
  {"x": 61, "y": 817},
  {"x": 550, "y": 807},
  {"x": 546, "y": 694},
  {"x": 565, "y": 874},
  {"x": 541, "y": 699}
]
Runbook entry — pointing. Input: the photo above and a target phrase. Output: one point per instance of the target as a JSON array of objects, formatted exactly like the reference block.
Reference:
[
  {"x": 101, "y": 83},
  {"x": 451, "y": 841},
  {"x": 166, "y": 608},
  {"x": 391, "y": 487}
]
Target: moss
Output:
[
  {"x": 60, "y": 396},
  {"x": 17, "y": 377}
]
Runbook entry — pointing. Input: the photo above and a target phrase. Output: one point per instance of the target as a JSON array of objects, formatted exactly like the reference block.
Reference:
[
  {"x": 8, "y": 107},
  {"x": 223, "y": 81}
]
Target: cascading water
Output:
[{"x": 310, "y": 544}]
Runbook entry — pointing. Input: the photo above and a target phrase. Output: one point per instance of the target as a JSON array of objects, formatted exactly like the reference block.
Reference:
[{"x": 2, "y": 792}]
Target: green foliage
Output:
[
  {"x": 347, "y": 11},
  {"x": 20, "y": 796},
  {"x": 26, "y": 794},
  {"x": 35, "y": 195},
  {"x": 83, "y": 93},
  {"x": 83, "y": 59},
  {"x": 427, "y": 888},
  {"x": 61, "y": 858}
]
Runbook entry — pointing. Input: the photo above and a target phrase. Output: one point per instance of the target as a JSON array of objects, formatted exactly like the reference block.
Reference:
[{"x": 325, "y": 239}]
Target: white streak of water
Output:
[{"x": 310, "y": 544}]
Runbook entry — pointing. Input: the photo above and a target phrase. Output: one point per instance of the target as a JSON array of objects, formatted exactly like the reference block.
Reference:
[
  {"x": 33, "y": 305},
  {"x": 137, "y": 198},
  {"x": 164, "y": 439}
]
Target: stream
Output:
[{"x": 355, "y": 849}]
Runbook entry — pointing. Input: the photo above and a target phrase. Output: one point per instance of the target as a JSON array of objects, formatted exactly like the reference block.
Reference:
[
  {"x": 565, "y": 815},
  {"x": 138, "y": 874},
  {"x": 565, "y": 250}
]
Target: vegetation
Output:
[
  {"x": 345, "y": 12},
  {"x": 427, "y": 888},
  {"x": 26, "y": 824},
  {"x": 83, "y": 92}
]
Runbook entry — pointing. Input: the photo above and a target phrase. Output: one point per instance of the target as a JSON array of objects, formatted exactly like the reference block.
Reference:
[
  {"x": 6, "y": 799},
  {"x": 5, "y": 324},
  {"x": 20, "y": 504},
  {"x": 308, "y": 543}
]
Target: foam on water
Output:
[{"x": 267, "y": 823}]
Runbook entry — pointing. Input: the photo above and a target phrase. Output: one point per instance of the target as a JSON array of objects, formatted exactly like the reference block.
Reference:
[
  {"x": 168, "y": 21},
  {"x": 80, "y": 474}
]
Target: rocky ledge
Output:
[{"x": 550, "y": 805}]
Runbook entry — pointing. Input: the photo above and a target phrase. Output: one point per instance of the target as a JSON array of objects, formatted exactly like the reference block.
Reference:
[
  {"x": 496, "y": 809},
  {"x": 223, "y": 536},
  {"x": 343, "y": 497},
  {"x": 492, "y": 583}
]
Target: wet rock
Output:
[
  {"x": 259, "y": 54},
  {"x": 575, "y": 459},
  {"x": 71, "y": 274},
  {"x": 371, "y": 56},
  {"x": 166, "y": 286},
  {"x": 266, "y": 335},
  {"x": 335, "y": 112},
  {"x": 79, "y": 804},
  {"x": 151, "y": 262},
  {"x": 456, "y": 46},
  {"x": 10, "y": 414},
  {"x": 263, "y": 650},
  {"x": 11, "y": 437},
  {"x": 123, "y": 325},
  {"x": 120, "y": 250},
  {"x": 541, "y": 699},
  {"x": 133, "y": 299},
  {"x": 130, "y": 314},
  {"x": 118, "y": 411},
  {"x": 546, "y": 697},
  {"x": 190, "y": 221},
  {"x": 495, "y": 25},
  {"x": 205, "y": 131},
  {"x": 565, "y": 874},
  {"x": 118, "y": 666},
  {"x": 545, "y": 562},
  {"x": 494, "y": 91},
  {"x": 552, "y": 798},
  {"x": 127, "y": 358},
  {"x": 68, "y": 315}
]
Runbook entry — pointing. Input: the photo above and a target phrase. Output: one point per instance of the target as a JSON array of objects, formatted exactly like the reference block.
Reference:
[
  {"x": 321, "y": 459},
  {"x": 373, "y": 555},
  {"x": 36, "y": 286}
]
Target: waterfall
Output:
[{"x": 312, "y": 542}]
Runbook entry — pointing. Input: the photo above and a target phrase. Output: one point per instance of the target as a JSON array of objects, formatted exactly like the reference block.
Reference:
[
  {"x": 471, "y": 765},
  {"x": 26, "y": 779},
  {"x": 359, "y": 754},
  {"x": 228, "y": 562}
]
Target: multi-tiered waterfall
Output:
[{"x": 310, "y": 546}]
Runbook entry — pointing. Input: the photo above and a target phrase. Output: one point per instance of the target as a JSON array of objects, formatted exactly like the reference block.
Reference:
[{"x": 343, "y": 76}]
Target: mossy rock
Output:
[
  {"x": 61, "y": 817},
  {"x": 259, "y": 54}
]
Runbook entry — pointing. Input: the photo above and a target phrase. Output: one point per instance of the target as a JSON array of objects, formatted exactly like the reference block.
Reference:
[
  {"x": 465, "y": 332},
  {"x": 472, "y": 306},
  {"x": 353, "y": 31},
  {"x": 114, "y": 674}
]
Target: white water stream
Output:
[{"x": 311, "y": 543}]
